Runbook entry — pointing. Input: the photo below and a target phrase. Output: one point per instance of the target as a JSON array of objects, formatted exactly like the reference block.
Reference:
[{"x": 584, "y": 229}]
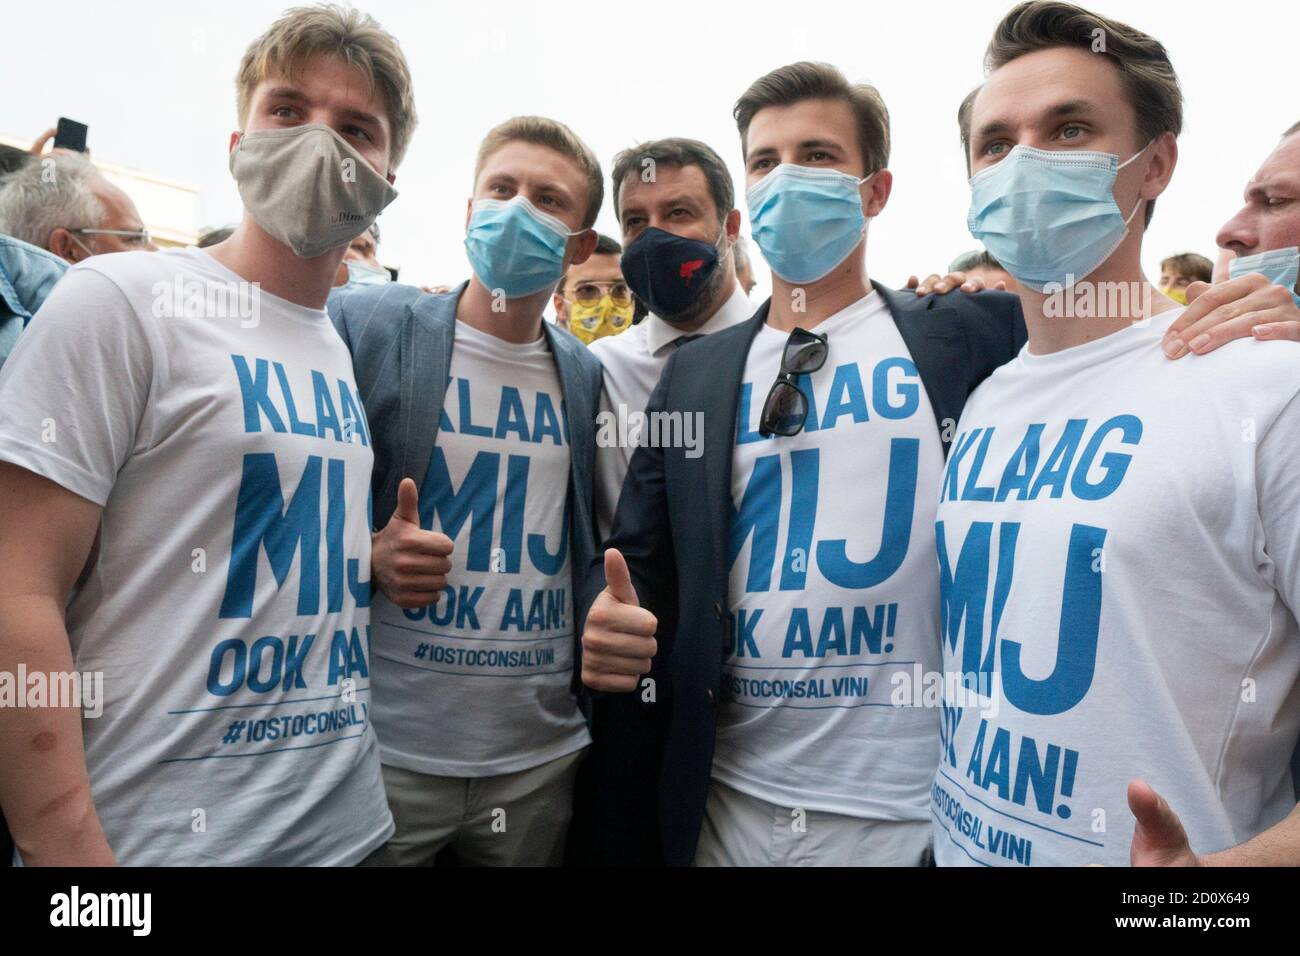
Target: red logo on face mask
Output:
[{"x": 689, "y": 269}]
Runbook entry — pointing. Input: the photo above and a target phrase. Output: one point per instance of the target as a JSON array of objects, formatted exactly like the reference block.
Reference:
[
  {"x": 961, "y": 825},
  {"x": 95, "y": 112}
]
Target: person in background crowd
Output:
[
  {"x": 210, "y": 237},
  {"x": 1261, "y": 255},
  {"x": 152, "y": 454},
  {"x": 979, "y": 265},
  {"x": 982, "y": 271},
  {"x": 985, "y": 273},
  {"x": 592, "y": 301},
  {"x": 45, "y": 139},
  {"x": 360, "y": 265},
  {"x": 679, "y": 230},
  {"x": 12, "y": 158},
  {"x": 1180, "y": 271},
  {"x": 1081, "y": 471},
  {"x": 27, "y": 274},
  {"x": 483, "y": 420},
  {"x": 61, "y": 203},
  {"x": 744, "y": 265}
]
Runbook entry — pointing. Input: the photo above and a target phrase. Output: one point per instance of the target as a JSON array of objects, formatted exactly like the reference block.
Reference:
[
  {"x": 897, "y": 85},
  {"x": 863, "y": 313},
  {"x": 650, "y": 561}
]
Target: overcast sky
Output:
[{"x": 155, "y": 82}]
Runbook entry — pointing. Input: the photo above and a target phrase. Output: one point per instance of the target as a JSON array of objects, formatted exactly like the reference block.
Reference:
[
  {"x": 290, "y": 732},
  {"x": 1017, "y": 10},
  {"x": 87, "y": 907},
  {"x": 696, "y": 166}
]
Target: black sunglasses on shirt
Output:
[{"x": 786, "y": 408}]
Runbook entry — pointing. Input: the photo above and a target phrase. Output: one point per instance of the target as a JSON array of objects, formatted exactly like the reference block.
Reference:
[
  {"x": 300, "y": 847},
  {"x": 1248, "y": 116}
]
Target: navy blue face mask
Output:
[{"x": 668, "y": 272}]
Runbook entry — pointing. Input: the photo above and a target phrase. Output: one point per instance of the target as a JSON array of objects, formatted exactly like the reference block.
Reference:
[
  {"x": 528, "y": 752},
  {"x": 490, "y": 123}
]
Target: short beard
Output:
[{"x": 704, "y": 302}]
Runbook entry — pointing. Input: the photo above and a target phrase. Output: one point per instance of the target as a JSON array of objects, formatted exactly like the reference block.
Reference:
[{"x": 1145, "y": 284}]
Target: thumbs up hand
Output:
[
  {"x": 1158, "y": 835},
  {"x": 618, "y": 641},
  {"x": 408, "y": 563}
]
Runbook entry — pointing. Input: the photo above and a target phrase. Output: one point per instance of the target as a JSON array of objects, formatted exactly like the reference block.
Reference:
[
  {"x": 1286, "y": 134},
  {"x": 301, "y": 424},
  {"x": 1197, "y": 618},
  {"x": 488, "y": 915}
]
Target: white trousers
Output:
[{"x": 740, "y": 830}]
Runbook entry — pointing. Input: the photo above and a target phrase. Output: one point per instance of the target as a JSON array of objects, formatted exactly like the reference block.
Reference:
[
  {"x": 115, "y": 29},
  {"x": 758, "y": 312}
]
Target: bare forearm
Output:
[
  {"x": 1279, "y": 845},
  {"x": 45, "y": 787}
]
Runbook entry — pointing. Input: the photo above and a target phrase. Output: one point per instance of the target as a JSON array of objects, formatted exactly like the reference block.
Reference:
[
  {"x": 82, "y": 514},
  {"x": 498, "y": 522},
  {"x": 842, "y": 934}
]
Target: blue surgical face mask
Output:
[
  {"x": 515, "y": 247},
  {"x": 806, "y": 220},
  {"x": 359, "y": 273},
  {"x": 1278, "y": 266},
  {"x": 1049, "y": 216}
]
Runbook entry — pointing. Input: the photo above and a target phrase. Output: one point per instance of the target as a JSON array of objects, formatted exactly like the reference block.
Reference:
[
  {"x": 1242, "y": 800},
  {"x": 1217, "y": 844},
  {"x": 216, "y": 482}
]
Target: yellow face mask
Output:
[
  {"x": 591, "y": 322},
  {"x": 1177, "y": 294}
]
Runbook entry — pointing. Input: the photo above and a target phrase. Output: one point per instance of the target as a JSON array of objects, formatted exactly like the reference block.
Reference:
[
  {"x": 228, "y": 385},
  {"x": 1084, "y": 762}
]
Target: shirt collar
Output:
[{"x": 660, "y": 335}]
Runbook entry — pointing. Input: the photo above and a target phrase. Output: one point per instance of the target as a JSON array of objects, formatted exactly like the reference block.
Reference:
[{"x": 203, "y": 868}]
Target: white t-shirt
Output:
[
  {"x": 199, "y": 414},
  {"x": 1119, "y": 542},
  {"x": 833, "y": 593},
  {"x": 633, "y": 361},
  {"x": 479, "y": 684}
]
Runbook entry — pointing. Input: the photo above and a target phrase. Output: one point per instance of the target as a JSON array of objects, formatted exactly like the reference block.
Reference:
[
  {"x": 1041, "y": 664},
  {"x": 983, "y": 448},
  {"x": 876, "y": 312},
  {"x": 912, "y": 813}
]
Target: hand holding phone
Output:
[{"x": 70, "y": 135}]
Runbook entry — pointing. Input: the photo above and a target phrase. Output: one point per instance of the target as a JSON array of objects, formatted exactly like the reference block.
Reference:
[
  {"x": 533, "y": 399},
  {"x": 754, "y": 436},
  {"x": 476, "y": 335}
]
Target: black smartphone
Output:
[{"x": 70, "y": 135}]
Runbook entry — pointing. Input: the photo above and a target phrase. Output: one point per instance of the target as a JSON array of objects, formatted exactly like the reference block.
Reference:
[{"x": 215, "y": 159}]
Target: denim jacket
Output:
[{"x": 27, "y": 274}]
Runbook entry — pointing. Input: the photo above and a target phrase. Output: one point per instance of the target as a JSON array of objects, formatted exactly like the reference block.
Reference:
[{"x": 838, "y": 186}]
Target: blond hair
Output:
[
  {"x": 555, "y": 135},
  {"x": 332, "y": 30}
]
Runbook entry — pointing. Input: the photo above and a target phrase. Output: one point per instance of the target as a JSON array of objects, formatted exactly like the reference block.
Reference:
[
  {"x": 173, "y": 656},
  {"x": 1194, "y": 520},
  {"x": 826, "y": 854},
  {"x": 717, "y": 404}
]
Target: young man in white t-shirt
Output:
[
  {"x": 483, "y": 418},
  {"x": 1118, "y": 536},
  {"x": 185, "y": 482}
]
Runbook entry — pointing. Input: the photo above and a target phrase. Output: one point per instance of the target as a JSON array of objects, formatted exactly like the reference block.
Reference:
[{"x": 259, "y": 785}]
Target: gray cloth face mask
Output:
[{"x": 308, "y": 187}]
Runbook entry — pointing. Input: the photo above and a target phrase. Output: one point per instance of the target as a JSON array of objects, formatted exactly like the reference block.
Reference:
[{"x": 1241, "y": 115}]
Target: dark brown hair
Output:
[
  {"x": 820, "y": 81},
  {"x": 605, "y": 246},
  {"x": 1189, "y": 265},
  {"x": 1145, "y": 70},
  {"x": 676, "y": 152}
]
